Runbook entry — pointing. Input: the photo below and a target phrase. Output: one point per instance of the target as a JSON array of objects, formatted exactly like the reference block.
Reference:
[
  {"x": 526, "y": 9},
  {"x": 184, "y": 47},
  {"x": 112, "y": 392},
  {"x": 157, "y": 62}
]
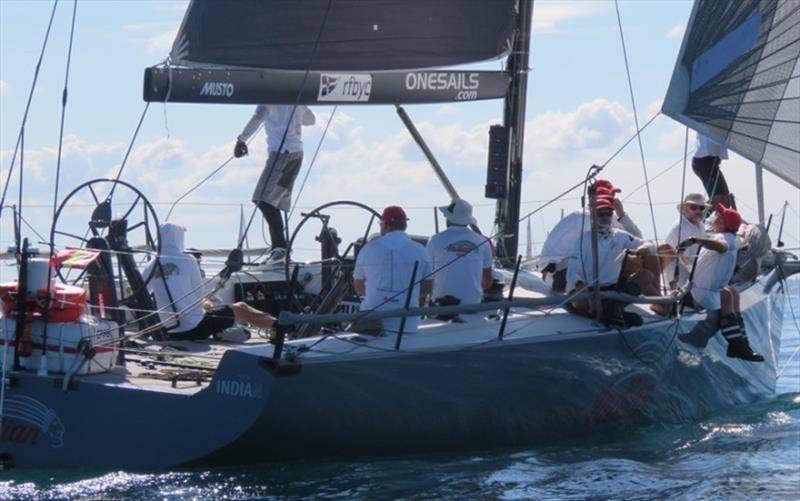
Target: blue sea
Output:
[{"x": 747, "y": 452}]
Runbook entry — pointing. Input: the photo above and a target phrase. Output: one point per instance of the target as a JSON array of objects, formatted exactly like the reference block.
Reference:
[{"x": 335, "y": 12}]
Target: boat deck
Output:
[{"x": 186, "y": 367}]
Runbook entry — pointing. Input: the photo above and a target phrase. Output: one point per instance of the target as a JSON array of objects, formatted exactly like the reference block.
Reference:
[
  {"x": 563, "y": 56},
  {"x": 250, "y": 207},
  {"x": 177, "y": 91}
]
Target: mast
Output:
[
  {"x": 508, "y": 209},
  {"x": 760, "y": 192}
]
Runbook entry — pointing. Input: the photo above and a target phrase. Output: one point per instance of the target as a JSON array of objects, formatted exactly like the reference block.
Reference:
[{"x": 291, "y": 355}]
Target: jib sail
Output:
[{"x": 737, "y": 80}]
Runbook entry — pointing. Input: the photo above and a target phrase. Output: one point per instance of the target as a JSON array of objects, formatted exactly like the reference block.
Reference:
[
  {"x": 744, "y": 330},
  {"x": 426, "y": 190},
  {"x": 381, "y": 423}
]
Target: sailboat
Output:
[{"x": 517, "y": 369}]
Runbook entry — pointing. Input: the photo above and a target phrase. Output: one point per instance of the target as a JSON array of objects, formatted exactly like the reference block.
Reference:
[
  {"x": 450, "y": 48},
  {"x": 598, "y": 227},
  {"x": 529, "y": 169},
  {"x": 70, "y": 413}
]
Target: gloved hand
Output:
[{"x": 240, "y": 149}]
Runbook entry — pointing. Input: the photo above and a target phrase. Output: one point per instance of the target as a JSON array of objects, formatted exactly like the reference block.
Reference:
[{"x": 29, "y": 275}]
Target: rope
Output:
[
  {"x": 19, "y": 145},
  {"x": 176, "y": 202}
]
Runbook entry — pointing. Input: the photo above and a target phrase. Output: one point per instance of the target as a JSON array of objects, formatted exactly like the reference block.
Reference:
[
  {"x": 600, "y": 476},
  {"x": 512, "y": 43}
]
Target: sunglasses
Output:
[
  {"x": 695, "y": 207},
  {"x": 605, "y": 213}
]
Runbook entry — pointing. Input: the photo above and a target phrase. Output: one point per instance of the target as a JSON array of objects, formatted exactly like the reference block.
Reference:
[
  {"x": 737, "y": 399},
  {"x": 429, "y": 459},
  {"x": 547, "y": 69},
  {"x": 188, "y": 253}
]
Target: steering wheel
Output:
[{"x": 112, "y": 201}]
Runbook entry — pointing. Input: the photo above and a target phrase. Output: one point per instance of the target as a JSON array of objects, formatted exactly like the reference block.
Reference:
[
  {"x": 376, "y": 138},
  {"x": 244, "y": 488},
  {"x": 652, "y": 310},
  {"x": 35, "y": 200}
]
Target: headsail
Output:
[
  {"x": 344, "y": 35},
  {"x": 737, "y": 80},
  {"x": 335, "y": 52}
]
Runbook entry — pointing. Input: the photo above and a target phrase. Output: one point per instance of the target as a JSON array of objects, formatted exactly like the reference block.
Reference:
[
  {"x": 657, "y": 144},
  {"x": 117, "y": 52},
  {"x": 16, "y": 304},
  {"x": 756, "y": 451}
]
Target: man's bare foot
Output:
[{"x": 246, "y": 314}]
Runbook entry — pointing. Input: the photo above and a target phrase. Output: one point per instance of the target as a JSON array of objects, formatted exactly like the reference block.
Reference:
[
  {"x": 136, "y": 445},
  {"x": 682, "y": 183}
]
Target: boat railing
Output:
[{"x": 290, "y": 318}]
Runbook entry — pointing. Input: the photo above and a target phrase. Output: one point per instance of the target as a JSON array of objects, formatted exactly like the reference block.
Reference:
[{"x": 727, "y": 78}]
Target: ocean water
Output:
[{"x": 749, "y": 451}]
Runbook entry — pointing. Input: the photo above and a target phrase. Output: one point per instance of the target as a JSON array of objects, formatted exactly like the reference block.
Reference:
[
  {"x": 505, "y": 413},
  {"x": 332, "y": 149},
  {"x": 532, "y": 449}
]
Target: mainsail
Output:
[
  {"x": 335, "y": 51},
  {"x": 344, "y": 35},
  {"x": 737, "y": 80}
]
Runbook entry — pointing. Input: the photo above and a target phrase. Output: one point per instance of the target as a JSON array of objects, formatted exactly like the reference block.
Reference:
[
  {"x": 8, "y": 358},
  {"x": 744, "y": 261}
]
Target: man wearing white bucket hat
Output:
[
  {"x": 689, "y": 224},
  {"x": 461, "y": 258}
]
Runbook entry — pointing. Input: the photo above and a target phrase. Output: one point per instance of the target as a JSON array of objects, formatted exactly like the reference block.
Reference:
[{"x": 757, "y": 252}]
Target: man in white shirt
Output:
[
  {"x": 273, "y": 193},
  {"x": 611, "y": 246},
  {"x": 560, "y": 242},
  {"x": 706, "y": 162},
  {"x": 461, "y": 259},
  {"x": 689, "y": 224},
  {"x": 384, "y": 267},
  {"x": 715, "y": 263}
]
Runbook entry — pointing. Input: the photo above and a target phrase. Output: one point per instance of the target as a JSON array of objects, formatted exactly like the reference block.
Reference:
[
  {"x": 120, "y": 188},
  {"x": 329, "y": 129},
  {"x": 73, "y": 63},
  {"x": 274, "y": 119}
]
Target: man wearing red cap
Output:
[
  {"x": 715, "y": 263},
  {"x": 383, "y": 270},
  {"x": 560, "y": 242},
  {"x": 611, "y": 246}
]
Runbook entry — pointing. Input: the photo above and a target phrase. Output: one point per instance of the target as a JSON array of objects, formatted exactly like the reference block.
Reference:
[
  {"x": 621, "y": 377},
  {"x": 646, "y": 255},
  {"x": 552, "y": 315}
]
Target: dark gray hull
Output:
[{"x": 521, "y": 390}]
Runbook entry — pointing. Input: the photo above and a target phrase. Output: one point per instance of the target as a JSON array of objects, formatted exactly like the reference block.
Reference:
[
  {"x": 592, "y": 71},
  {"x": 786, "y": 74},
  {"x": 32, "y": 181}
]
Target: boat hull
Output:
[
  {"x": 513, "y": 392},
  {"x": 528, "y": 388}
]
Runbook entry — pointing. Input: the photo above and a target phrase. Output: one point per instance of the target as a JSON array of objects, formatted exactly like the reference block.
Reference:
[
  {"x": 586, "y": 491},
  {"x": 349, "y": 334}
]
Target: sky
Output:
[{"x": 580, "y": 112}]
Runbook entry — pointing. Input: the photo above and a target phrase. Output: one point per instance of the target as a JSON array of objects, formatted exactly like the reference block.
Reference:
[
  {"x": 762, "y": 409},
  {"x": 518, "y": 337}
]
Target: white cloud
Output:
[
  {"x": 3, "y": 87},
  {"x": 160, "y": 43},
  {"x": 548, "y": 15},
  {"x": 154, "y": 37},
  {"x": 356, "y": 163},
  {"x": 676, "y": 31}
]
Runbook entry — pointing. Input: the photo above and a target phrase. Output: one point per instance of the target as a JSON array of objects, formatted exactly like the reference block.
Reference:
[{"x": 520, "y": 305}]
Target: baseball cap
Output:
[
  {"x": 730, "y": 217},
  {"x": 394, "y": 214},
  {"x": 606, "y": 184}
]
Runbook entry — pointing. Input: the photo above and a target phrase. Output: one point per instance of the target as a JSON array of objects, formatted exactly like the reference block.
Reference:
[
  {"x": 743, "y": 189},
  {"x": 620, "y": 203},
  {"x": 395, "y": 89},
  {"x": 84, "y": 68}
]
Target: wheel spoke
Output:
[
  {"x": 94, "y": 195},
  {"x": 140, "y": 223},
  {"x": 133, "y": 206}
]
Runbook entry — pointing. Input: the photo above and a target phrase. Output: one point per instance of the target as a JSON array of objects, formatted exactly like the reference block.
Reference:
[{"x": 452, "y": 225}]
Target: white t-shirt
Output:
[
  {"x": 560, "y": 242},
  {"x": 469, "y": 254},
  {"x": 610, "y": 251},
  {"x": 714, "y": 270},
  {"x": 180, "y": 273},
  {"x": 386, "y": 264},
  {"x": 275, "y": 117},
  {"x": 707, "y": 147},
  {"x": 686, "y": 229}
]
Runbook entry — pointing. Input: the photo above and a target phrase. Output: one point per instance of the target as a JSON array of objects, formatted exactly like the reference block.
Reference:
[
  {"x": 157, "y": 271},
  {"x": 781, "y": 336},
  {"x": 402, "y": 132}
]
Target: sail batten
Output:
[{"x": 737, "y": 80}]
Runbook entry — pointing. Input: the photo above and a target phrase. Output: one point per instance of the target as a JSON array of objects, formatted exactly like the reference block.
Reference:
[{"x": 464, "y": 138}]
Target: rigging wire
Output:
[
  {"x": 27, "y": 109},
  {"x": 681, "y": 217},
  {"x": 636, "y": 121},
  {"x": 313, "y": 160},
  {"x": 128, "y": 152},
  {"x": 18, "y": 236},
  {"x": 51, "y": 244}
]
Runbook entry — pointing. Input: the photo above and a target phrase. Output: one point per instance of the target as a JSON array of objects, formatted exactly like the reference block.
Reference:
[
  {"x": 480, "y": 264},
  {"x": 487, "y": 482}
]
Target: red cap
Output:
[
  {"x": 604, "y": 203},
  {"x": 602, "y": 191},
  {"x": 606, "y": 184},
  {"x": 394, "y": 214},
  {"x": 730, "y": 217}
]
